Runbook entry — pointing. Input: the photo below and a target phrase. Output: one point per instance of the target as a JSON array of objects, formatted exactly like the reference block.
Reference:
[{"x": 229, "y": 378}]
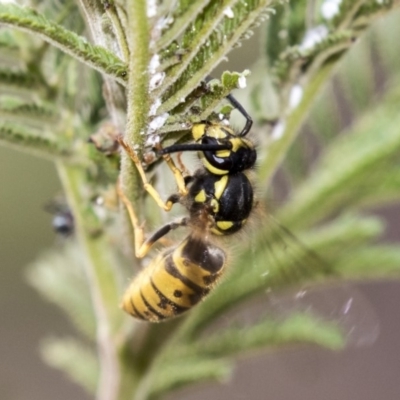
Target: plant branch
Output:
[
  {"x": 69, "y": 42},
  {"x": 119, "y": 31},
  {"x": 32, "y": 141},
  {"x": 278, "y": 147},
  {"x": 99, "y": 265},
  {"x": 138, "y": 102},
  {"x": 181, "y": 22},
  {"x": 200, "y": 60}
]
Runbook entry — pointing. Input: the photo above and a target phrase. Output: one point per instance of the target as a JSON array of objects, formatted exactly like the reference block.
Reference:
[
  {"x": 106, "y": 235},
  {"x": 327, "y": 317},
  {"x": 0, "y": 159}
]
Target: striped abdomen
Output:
[{"x": 175, "y": 281}]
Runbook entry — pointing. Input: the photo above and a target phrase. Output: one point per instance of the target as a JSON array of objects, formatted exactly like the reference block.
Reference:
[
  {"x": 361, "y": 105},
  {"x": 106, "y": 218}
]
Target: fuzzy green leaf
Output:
[
  {"x": 184, "y": 14},
  {"x": 69, "y": 42},
  {"x": 185, "y": 371},
  {"x": 331, "y": 38},
  {"x": 31, "y": 140},
  {"x": 11, "y": 81},
  {"x": 349, "y": 160},
  {"x": 206, "y": 357},
  {"x": 351, "y": 10},
  {"x": 208, "y": 102},
  {"x": 371, "y": 262},
  {"x": 205, "y": 43},
  {"x": 387, "y": 187},
  {"x": 75, "y": 359},
  {"x": 28, "y": 113},
  {"x": 297, "y": 328},
  {"x": 59, "y": 276}
]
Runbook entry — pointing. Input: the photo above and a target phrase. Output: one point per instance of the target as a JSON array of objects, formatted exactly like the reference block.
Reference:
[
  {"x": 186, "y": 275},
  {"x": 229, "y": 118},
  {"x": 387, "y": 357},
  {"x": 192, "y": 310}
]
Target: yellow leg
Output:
[
  {"x": 182, "y": 166},
  {"x": 147, "y": 185},
  {"x": 180, "y": 181},
  {"x": 142, "y": 245},
  {"x": 137, "y": 227}
]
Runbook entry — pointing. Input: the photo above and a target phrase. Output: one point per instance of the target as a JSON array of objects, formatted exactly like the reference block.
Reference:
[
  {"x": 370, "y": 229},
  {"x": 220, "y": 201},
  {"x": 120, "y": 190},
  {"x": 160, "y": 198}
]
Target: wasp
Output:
[{"x": 219, "y": 198}]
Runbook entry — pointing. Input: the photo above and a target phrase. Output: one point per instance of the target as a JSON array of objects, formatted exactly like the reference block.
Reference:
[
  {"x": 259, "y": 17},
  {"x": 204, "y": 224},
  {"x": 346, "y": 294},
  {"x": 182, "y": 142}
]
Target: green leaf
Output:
[
  {"x": 209, "y": 356},
  {"x": 59, "y": 276},
  {"x": 31, "y": 140},
  {"x": 297, "y": 328},
  {"x": 186, "y": 371},
  {"x": 371, "y": 262},
  {"x": 349, "y": 160},
  {"x": 75, "y": 359},
  {"x": 184, "y": 14},
  {"x": 36, "y": 114},
  {"x": 69, "y": 42},
  {"x": 205, "y": 43},
  {"x": 26, "y": 83}
]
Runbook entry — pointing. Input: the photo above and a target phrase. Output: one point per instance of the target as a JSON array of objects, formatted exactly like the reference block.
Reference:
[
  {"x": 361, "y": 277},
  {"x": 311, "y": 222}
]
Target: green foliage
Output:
[
  {"x": 153, "y": 66},
  {"x": 67, "y": 41},
  {"x": 24, "y": 137},
  {"x": 206, "y": 40},
  {"x": 57, "y": 275},
  {"x": 77, "y": 360},
  {"x": 351, "y": 166}
]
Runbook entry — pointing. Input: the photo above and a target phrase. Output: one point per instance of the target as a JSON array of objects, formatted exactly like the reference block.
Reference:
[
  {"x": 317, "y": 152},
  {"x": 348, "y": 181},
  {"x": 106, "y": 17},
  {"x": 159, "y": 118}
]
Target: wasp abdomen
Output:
[{"x": 175, "y": 280}]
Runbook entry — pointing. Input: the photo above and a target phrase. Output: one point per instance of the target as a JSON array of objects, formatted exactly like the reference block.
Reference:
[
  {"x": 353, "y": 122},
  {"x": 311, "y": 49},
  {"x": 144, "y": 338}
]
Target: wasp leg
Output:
[
  {"x": 178, "y": 174},
  {"x": 142, "y": 245},
  {"x": 136, "y": 225},
  {"x": 147, "y": 185},
  {"x": 160, "y": 233},
  {"x": 182, "y": 166}
]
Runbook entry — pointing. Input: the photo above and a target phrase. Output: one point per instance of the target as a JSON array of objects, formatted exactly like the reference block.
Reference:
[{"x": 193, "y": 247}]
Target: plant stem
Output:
[
  {"x": 138, "y": 104},
  {"x": 99, "y": 271},
  {"x": 137, "y": 97}
]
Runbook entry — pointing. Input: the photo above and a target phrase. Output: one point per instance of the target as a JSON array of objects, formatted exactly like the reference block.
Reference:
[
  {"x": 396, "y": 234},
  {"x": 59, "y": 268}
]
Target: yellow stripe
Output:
[
  {"x": 218, "y": 131},
  {"x": 237, "y": 143},
  {"x": 126, "y": 305},
  {"x": 200, "y": 197},
  {"x": 140, "y": 282},
  {"x": 212, "y": 169},
  {"x": 247, "y": 143},
  {"x": 140, "y": 305},
  {"x": 154, "y": 300},
  {"x": 223, "y": 153},
  {"x": 191, "y": 271},
  {"x": 132, "y": 294},
  {"x": 168, "y": 284},
  {"x": 215, "y": 132},
  {"x": 220, "y": 186},
  {"x": 224, "y": 225},
  {"x": 198, "y": 131}
]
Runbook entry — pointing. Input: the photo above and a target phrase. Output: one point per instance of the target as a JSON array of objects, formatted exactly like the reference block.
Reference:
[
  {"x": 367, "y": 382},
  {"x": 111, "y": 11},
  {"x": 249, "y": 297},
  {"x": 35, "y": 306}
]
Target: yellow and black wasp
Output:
[{"x": 219, "y": 198}]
